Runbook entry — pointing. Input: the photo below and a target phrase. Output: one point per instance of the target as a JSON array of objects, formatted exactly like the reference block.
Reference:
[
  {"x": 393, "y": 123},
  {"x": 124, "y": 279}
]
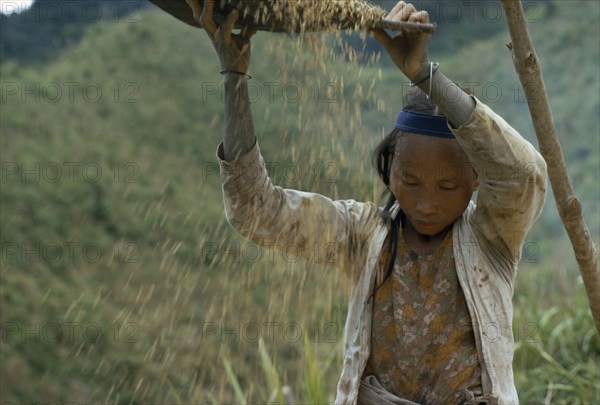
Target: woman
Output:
[{"x": 430, "y": 317}]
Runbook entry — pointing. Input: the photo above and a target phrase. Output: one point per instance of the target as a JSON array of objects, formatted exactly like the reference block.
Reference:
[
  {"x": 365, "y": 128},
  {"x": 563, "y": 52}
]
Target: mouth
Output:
[{"x": 424, "y": 224}]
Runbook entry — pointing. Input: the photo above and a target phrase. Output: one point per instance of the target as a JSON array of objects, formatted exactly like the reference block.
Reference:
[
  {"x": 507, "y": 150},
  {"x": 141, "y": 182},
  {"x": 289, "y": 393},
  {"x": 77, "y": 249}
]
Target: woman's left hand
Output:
[{"x": 409, "y": 49}]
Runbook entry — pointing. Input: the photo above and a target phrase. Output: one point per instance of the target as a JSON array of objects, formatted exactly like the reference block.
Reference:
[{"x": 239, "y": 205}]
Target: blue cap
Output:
[{"x": 424, "y": 124}]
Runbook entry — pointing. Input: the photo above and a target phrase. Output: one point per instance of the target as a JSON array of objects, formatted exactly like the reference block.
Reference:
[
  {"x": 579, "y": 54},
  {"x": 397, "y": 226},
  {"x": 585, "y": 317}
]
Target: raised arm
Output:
[
  {"x": 409, "y": 51},
  {"x": 336, "y": 233},
  {"x": 234, "y": 54},
  {"x": 511, "y": 172}
]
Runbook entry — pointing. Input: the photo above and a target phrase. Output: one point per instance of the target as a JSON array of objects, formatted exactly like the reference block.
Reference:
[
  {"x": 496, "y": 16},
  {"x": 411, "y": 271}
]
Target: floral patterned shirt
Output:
[{"x": 422, "y": 341}]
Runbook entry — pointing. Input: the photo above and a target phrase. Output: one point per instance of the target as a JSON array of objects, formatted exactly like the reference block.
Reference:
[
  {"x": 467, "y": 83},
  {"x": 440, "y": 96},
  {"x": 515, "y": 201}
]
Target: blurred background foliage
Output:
[{"x": 121, "y": 280}]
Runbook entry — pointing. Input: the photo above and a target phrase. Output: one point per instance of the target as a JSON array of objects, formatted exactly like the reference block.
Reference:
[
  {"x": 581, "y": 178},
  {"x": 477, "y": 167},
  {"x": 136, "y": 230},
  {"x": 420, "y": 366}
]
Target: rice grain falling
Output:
[{"x": 318, "y": 126}]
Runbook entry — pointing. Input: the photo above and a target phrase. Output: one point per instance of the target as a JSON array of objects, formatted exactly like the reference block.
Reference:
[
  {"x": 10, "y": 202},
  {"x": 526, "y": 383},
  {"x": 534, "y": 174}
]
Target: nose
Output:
[{"x": 425, "y": 206}]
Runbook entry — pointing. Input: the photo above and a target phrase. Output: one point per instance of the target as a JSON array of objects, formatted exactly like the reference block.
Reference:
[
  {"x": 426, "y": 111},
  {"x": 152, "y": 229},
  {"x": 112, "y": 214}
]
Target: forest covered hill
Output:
[
  {"x": 112, "y": 222},
  {"x": 49, "y": 26}
]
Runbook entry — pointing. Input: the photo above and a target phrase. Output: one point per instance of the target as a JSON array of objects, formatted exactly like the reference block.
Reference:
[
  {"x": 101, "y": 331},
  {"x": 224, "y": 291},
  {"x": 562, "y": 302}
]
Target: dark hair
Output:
[{"x": 383, "y": 157}]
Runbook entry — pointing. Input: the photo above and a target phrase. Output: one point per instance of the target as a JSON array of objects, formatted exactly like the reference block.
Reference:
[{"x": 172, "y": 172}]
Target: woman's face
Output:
[{"x": 432, "y": 180}]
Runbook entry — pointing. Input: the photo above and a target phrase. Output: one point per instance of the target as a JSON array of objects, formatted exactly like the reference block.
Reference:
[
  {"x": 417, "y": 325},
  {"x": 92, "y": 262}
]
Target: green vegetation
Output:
[
  {"x": 121, "y": 280},
  {"x": 47, "y": 27}
]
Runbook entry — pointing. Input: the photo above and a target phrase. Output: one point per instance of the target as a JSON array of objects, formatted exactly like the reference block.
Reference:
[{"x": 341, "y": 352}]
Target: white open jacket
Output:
[{"x": 487, "y": 240}]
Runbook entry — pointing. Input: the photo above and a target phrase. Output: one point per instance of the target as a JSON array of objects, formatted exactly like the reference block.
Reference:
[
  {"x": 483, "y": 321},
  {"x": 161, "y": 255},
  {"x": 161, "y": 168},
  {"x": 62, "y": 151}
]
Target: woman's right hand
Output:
[{"x": 233, "y": 49}]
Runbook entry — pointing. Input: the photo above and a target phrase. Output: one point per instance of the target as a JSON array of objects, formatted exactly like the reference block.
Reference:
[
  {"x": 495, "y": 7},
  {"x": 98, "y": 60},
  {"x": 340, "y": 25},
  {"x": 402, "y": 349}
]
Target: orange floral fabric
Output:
[{"x": 422, "y": 340}]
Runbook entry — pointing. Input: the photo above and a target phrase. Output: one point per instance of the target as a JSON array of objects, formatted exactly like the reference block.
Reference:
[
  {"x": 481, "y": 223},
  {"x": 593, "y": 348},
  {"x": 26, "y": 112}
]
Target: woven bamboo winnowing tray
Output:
[{"x": 294, "y": 15}]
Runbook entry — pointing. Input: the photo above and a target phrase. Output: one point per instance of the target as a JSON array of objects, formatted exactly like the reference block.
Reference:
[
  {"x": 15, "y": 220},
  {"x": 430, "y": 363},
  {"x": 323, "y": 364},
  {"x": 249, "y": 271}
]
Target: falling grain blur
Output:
[{"x": 207, "y": 322}]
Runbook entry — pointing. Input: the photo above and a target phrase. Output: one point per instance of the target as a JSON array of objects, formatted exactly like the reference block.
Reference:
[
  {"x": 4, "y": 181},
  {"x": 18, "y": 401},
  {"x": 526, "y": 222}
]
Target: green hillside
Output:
[
  {"x": 121, "y": 280},
  {"x": 45, "y": 29}
]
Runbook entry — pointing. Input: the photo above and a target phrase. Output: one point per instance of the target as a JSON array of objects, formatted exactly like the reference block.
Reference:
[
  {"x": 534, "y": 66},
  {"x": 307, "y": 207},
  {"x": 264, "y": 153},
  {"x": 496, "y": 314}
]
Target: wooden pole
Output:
[{"x": 569, "y": 208}]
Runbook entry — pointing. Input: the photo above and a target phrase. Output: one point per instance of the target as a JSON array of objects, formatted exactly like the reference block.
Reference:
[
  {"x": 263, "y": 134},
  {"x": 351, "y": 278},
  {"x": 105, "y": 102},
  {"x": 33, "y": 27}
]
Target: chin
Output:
[
  {"x": 429, "y": 233},
  {"x": 430, "y": 229},
  {"x": 427, "y": 230}
]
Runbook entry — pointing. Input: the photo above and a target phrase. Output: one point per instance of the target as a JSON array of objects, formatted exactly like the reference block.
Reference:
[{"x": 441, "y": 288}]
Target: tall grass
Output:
[{"x": 557, "y": 349}]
